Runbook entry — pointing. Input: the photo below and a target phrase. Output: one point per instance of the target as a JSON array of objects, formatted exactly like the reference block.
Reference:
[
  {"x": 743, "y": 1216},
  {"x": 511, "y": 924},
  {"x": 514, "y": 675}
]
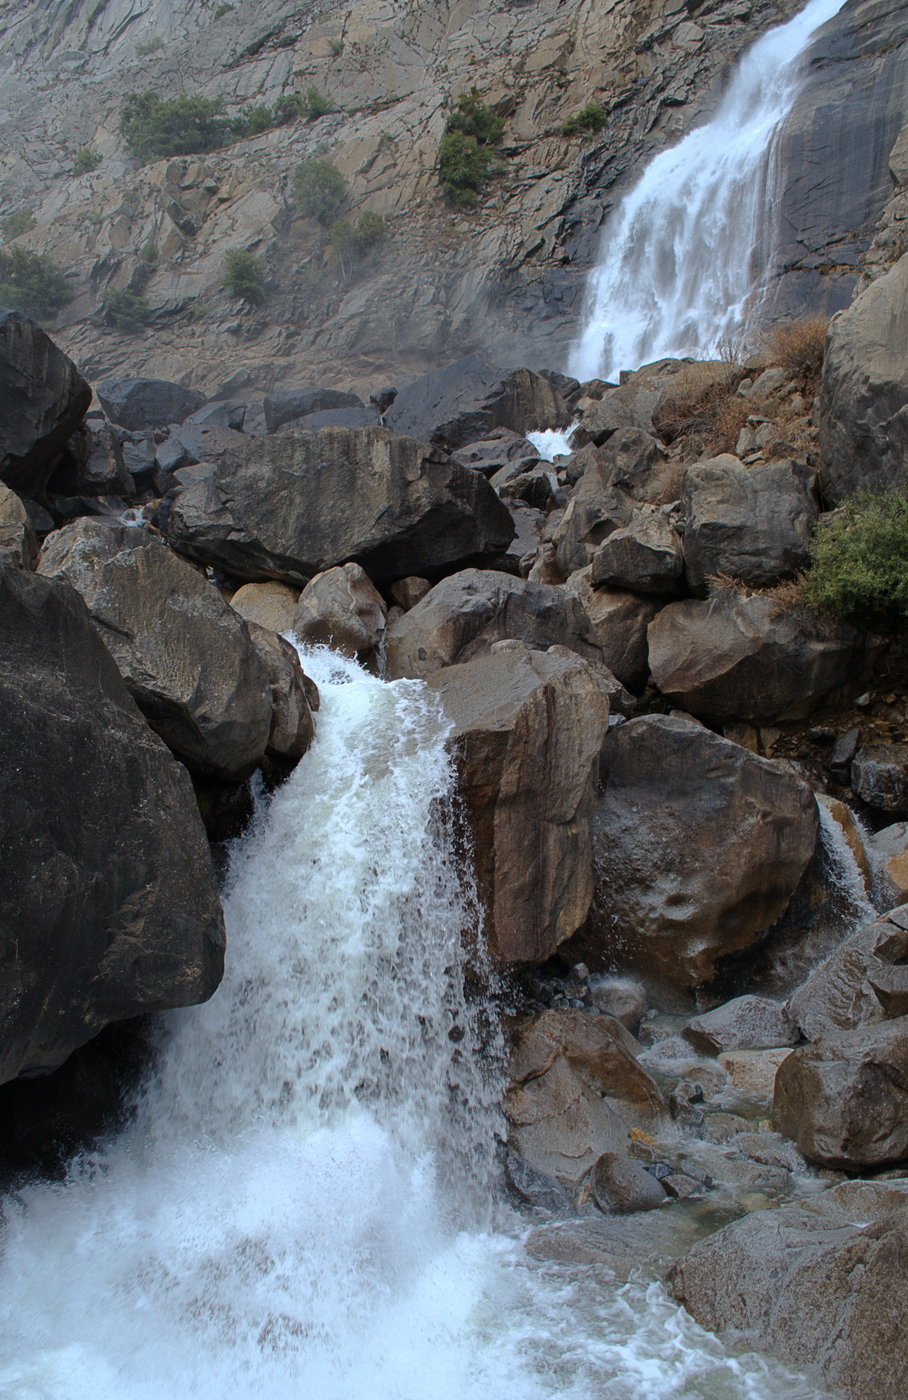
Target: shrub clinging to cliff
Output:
[
  {"x": 319, "y": 190},
  {"x": 32, "y": 284},
  {"x": 466, "y": 161},
  {"x": 155, "y": 128},
  {"x": 244, "y": 276},
  {"x": 859, "y": 560}
]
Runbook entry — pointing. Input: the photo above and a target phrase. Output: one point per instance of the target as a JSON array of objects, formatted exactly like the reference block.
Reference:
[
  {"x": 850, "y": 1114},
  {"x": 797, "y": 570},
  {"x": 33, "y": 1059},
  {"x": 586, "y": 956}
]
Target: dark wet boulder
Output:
[
  {"x": 463, "y": 402},
  {"x": 43, "y": 399},
  {"x": 109, "y": 906},
  {"x": 289, "y": 405},
  {"x": 136, "y": 404}
]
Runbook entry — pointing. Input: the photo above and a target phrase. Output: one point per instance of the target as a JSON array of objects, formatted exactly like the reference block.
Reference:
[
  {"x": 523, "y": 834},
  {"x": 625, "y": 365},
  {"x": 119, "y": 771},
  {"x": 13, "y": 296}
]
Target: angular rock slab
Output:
[
  {"x": 138, "y": 404},
  {"x": 844, "y": 1101},
  {"x": 619, "y": 620},
  {"x": 699, "y": 846},
  {"x": 746, "y": 1023},
  {"x": 528, "y": 731},
  {"x": 184, "y": 653},
  {"x": 43, "y": 399},
  {"x": 465, "y": 401},
  {"x": 290, "y": 506},
  {"x": 108, "y": 906},
  {"x": 821, "y": 1284}
]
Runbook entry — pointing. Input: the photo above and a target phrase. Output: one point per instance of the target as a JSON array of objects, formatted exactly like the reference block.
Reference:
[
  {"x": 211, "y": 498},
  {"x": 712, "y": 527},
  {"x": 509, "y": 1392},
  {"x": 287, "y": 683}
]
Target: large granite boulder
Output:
[
  {"x": 751, "y": 657},
  {"x": 289, "y": 405},
  {"x": 288, "y": 507},
  {"x": 461, "y": 617},
  {"x": 889, "y": 853},
  {"x": 465, "y": 401},
  {"x": 628, "y": 471},
  {"x": 855, "y": 984},
  {"x": 343, "y": 609},
  {"x": 109, "y": 906},
  {"x": 746, "y": 1023},
  {"x": 43, "y": 399},
  {"x": 643, "y": 556},
  {"x": 138, "y": 404},
  {"x": 752, "y": 523},
  {"x": 271, "y": 605},
  {"x": 822, "y": 1283},
  {"x": 293, "y": 695},
  {"x": 699, "y": 847},
  {"x": 18, "y": 541},
  {"x": 184, "y": 653},
  {"x": 619, "y": 621},
  {"x": 528, "y": 731},
  {"x": 844, "y": 1100}
]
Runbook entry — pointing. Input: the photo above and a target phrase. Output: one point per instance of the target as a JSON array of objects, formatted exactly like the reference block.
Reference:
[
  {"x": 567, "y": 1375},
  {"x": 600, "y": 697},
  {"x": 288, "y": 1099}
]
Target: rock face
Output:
[
  {"x": 43, "y": 399},
  {"x": 341, "y": 608},
  {"x": 619, "y": 620},
  {"x": 699, "y": 847},
  {"x": 461, "y": 618},
  {"x": 751, "y": 523},
  {"x": 184, "y": 653},
  {"x": 138, "y": 404},
  {"x": 844, "y": 1101},
  {"x": 109, "y": 906},
  {"x": 18, "y": 542},
  {"x": 864, "y": 395},
  {"x": 820, "y": 1284},
  {"x": 528, "y": 730},
  {"x": 466, "y": 400},
  {"x": 290, "y": 506},
  {"x": 747, "y": 1023},
  {"x": 739, "y": 656}
]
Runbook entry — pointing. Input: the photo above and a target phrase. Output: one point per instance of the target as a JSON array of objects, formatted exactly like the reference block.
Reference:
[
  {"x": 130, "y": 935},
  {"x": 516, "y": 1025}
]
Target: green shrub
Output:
[
  {"x": 149, "y": 252},
  {"x": 592, "y": 117},
  {"x": 859, "y": 560},
  {"x": 314, "y": 104},
  {"x": 289, "y": 108},
  {"x": 32, "y": 284},
  {"x": 465, "y": 159},
  {"x": 181, "y": 126},
  {"x": 153, "y": 44},
  {"x": 85, "y": 161},
  {"x": 253, "y": 122},
  {"x": 351, "y": 242},
  {"x": 319, "y": 190},
  {"x": 223, "y": 10},
  {"x": 12, "y": 225},
  {"x": 124, "y": 309},
  {"x": 336, "y": 46},
  {"x": 244, "y": 276}
]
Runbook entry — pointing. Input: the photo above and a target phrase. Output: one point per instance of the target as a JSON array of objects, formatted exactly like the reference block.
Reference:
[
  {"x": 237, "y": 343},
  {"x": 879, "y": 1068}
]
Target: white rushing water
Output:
[
  {"x": 680, "y": 259},
  {"x": 301, "y": 1208}
]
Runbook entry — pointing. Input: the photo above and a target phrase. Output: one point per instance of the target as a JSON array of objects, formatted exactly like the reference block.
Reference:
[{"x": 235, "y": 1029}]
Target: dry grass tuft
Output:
[{"x": 798, "y": 347}]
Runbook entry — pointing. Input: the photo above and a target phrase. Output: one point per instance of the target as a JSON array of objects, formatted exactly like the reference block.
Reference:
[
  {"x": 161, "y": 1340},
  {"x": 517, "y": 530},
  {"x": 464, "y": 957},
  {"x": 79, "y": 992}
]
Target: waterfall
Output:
[
  {"x": 299, "y": 1208},
  {"x": 681, "y": 255}
]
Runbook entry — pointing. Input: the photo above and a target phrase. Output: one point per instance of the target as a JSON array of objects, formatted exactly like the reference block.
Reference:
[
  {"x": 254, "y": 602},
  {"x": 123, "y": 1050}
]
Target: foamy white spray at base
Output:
[
  {"x": 680, "y": 252},
  {"x": 300, "y": 1209}
]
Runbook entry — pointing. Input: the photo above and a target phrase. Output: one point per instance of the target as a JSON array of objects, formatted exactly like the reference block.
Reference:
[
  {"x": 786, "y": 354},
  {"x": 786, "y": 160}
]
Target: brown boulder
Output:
[
  {"x": 293, "y": 695},
  {"x": 271, "y": 605},
  {"x": 343, "y": 609},
  {"x": 644, "y": 556},
  {"x": 619, "y": 621}
]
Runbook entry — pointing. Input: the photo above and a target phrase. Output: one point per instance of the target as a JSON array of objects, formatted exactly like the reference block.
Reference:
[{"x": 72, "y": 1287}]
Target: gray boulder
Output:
[
  {"x": 289, "y": 405},
  {"x": 645, "y": 556},
  {"x": 92, "y": 465},
  {"x": 863, "y": 980},
  {"x": 184, "y": 653},
  {"x": 293, "y": 695},
  {"x": 147, "y": 403},
  {"x": 109, "y": 906},
  {"x": 628, "y": 471},
  {"x": 752, "y": 523},
  {"x": 43, "y": 399},
  {"x": 463, "y": 402},
  {"x": 879, "y": 776},
  {"x": 289, "y": 506},
  {"x": 746, "y": 1023},
  {"x": 619, "y": 620},
  {"x": 343, "y": 609},
  {"x": 501, "y": 454},
  {"x": 621, "y": 1186}
]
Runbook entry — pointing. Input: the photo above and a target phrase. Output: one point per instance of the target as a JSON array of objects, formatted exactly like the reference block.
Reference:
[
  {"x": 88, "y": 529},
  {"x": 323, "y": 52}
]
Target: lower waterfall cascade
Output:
[
  {"x": 300, "y": 1206},
  {"x": 682, "y": 253}
]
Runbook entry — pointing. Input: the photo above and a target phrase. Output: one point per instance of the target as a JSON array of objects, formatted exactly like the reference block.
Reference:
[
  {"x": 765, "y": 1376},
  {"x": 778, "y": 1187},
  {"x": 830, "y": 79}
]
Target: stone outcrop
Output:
[
  {"x": 748, "y": 656},
  {"x": 462, "y": 402},
  {"x": 140, "y": 404},
  {"x": 42, "y": 401},
  {"x": 290, "y": 506},
  {"x": 699, "y": 846},
  {"x": 528, "y": 730},
  {"x": 464, "y": 615},
  {"x": 184, "y": 653},
  {"x": 109, "y": 907},
  {"x": 823, "y": 1283}
]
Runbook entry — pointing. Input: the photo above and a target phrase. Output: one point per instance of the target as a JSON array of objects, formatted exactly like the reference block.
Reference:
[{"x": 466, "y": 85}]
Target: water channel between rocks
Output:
[{"x": 305, "y": 1204}]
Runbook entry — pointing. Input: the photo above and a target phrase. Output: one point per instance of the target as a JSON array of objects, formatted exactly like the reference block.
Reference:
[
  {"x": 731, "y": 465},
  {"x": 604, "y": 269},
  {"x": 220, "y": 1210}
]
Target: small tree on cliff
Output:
[{"x": 466, "y": 160}]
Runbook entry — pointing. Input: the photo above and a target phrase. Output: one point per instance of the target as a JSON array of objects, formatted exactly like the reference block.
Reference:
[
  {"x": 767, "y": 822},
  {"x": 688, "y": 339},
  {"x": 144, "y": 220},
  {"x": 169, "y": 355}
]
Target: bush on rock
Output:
[
  {"x": 465, "y": 159},
  {"x": 859, "y": 560},
  {"x": 32, "y": 284}
]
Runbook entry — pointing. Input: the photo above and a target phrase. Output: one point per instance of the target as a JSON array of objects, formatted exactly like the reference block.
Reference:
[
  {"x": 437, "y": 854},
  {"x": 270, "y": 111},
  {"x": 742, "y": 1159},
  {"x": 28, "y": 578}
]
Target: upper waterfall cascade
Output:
[{"x": 683, "y": 253}]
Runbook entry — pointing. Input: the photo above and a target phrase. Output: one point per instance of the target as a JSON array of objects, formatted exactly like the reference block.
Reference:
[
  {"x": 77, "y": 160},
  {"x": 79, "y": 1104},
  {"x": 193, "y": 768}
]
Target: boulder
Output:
[
  {"x": 621, "y": 1186},
  {"x": 889, "y": 853},
  {"x": 138, "y": 404},
  {"x": 43, "y": 399},
  {"x": 528, "y": 730},
  {"x": 289, "y": 506},
  {"x": 109, "y": 905},
  {"x": 863, "y": 412},
  {"x": 576, "y": 1089},
  {"x": 184, "y": 653},
  {"x": 465, "y": 401},
  {"x": 844, "y": 1101},
  {"x": 746, "y": 1023},
  {"x": 619, "y": 620},
  {"x": 365, "y": 416},
  {"x": 620, "y": 997},
  {"x": 18, "y": 541},
  {"x": 753, "y": 1073},
  {"x": 271, "y": 605},
  {"x": 461, "y": 617},
  {"x": 407, "y": 592},
  {"x": 292, "y": 698},
  {"x": 627, "y": 472},
  {"x": 92, "y": 465},
  {"x": 290, "y": 405},
  {"x": 751, "y": 657},
  {"x": 841, "y": 993},
  {"x": 752, "y": 523},
  {"x": 699, "y": 847},
  {"x": 644, "y": 556},
  {"x": 500, "y": 454},
  {"x": 343, "y": 609},
  {"x": 879, "y": 776},
  {"x": 220, "y": 413},
  {"x": 822, "y": 1283}
]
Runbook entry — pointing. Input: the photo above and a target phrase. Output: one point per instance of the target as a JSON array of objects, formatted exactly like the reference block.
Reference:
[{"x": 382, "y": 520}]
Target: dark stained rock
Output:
[
  {"x": 109, "y": 907},
  {"x": 293, "y": 504},
  {"x": 463, "y": 402},
  {"x": 292, "y": 700},
  {"x": 184, "y": 653},
  {"x": 823, "y": 1283},
  {"x": 220, "y": 413},
  {"x": 43, "y": 399},
  {"x": 286, "y": 407},
  {"x": 699, "y": 847},
  {"x": 357, "y": 416},
  {"x": 92, "y": 464},
  {"x": 619, "y": 620},
  {"x": 501, "y": 454},
  {"x": 844, "y": 1100},
  {"x": 147, "y": 403},
  {"x": 644, "y": 556},
  {"x": 879, "y": 776}
]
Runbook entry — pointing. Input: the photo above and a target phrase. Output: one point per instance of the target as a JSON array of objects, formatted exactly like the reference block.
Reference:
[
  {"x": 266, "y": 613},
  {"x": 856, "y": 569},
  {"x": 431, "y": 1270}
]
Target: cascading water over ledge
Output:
[{"x": 683, "y": 253}]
